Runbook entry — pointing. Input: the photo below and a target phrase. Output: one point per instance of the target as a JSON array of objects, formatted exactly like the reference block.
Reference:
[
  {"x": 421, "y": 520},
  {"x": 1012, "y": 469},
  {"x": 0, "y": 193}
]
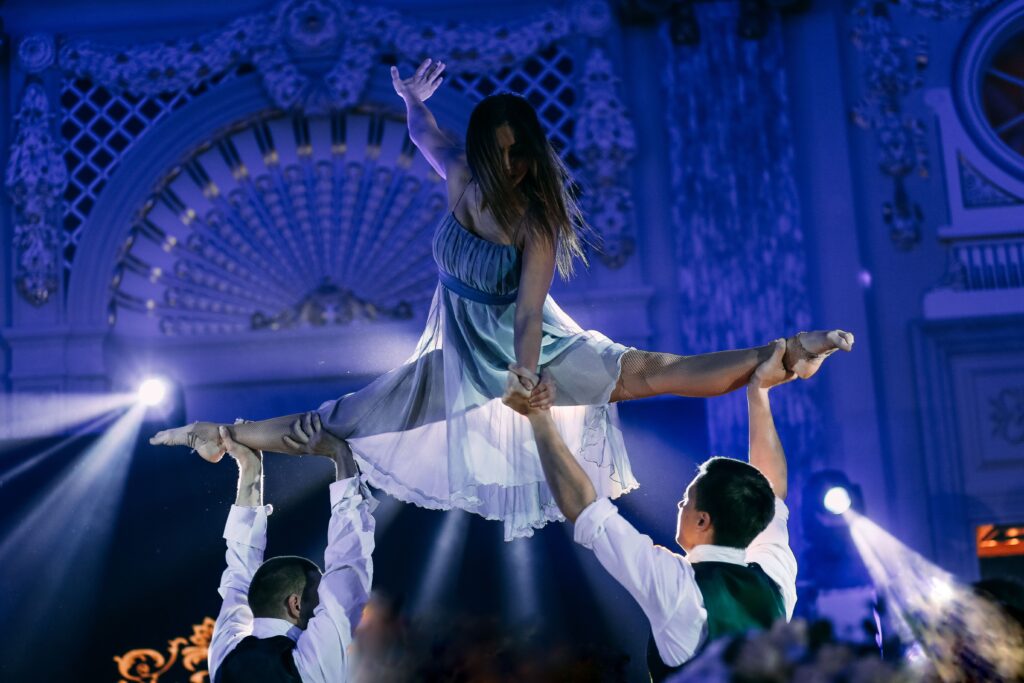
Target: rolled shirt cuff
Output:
[
  {"x": 248, "y": 525},
  {"x": 349, "y": 493},
  {"x": 590, "y": 523}
]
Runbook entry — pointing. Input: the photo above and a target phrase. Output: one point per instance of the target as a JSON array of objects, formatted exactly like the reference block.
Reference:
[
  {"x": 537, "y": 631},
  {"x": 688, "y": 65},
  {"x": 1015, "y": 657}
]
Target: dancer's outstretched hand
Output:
[
  {"x": 772, "y": 372},
  {"x": 423, "y": 82}
]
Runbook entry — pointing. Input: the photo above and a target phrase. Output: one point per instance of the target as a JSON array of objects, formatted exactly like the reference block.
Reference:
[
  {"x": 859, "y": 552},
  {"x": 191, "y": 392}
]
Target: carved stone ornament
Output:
[
  {"x": 893, "y": 70},
  {"x": 36, "y": 178},
  {"x": 145, "y": 665},
  {"x": 977, "y": 191},
  {"x": 1008, "y": 415},
  {"x": 328, "y": 305},
  {"x": 37, "y": 52},
  {"x": 317, "y": 54},
  {"x": 605, "y": 142},
  {"x": 592, "y": 17}
]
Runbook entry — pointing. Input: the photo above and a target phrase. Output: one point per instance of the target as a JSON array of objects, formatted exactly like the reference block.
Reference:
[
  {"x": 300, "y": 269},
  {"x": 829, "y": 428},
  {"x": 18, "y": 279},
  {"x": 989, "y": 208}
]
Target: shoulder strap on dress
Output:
[{"x": 459, "y": 200}]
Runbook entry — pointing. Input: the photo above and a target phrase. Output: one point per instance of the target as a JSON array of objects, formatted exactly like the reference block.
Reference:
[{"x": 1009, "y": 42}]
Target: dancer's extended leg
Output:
[
  {"x": 649, "y": 373},
  {"x": 266, "y": 435}
]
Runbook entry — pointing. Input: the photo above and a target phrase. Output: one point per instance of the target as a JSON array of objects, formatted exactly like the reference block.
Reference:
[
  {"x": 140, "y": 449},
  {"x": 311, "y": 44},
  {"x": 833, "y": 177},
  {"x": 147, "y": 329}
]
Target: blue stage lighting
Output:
[
  {"x": 153, "y": 391},
  {"x": 837, "y": 500}
]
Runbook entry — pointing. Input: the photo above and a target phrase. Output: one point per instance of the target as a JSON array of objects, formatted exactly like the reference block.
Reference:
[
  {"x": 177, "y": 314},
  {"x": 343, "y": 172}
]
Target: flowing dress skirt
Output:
[{"x": 435, "y": 433}]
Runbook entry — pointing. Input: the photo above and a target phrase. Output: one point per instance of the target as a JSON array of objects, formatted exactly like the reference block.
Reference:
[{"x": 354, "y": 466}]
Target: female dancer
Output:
[{"x": 434, "y": 431}]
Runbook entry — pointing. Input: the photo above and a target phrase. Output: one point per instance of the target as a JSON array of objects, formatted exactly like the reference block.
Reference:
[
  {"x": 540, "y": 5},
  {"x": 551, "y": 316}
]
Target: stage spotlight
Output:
[
  {"x": 941, "y": 591},
  {"x": 837, "y": 500},
  {"x": 830, "y": 494},
  {"x": 828, "y": 498},
  {"x": 153, "y": 391}
]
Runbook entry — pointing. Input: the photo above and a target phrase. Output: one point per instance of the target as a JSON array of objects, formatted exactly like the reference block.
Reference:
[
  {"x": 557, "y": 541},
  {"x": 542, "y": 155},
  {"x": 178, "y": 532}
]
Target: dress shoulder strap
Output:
[{"x": 459, "y": 200}]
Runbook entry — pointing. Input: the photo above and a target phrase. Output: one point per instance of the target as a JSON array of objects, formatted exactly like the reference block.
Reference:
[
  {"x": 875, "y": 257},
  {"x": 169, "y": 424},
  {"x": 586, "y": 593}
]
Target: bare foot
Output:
[
  {"x": 202, "y": 437},
  {"x": 806, "y": 351}
]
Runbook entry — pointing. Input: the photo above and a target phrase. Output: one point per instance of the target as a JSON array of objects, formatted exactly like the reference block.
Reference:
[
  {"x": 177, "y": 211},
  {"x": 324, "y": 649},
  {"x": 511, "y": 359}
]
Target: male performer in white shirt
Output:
[
  {"x": 739, "y": 572},
  {"x": 281, "y": 620}
]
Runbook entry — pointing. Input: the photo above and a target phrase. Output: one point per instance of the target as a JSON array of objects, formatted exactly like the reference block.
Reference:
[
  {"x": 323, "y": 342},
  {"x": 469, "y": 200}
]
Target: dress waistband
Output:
[{"x": 459, "y": 287}]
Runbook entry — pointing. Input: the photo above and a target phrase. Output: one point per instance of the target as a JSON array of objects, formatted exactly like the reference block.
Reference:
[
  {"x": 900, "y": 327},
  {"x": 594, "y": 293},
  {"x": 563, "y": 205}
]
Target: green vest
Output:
[{"x": 738, "y": 598}]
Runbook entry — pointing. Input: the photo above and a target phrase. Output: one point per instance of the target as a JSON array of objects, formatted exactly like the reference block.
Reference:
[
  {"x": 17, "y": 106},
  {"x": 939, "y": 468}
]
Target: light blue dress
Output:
[{"x": 434, "y": 431}]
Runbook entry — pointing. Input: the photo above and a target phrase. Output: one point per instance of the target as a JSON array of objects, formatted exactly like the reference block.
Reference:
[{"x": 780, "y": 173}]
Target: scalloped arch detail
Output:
[
  {"x": 105, "y": 275},
  {"x": 287, "y": 221}
]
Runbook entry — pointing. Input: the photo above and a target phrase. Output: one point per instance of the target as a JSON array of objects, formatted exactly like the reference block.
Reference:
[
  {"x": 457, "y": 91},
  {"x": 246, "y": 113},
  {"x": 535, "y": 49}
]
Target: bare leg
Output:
[
  {"x": 648, "y": 373},
  {"x": 267, "y": 435}
]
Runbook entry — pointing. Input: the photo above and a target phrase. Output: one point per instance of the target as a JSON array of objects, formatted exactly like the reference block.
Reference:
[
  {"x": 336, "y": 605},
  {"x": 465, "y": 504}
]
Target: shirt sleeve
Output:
[
  {"x": 770, "y": 549},
  {"x": 661, "y": 582},
  {"x": 321, "y": 652},
  {"x": 246, "y": 537}
]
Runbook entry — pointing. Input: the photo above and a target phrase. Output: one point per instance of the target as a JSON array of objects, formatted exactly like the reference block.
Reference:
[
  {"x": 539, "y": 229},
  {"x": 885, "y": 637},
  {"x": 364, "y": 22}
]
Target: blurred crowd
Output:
[{"x": 980, "y": 639}]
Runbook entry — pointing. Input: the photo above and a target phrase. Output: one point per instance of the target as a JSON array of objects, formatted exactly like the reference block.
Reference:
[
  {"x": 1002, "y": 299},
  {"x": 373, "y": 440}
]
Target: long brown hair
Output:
[{"x": 542, "y": 206}]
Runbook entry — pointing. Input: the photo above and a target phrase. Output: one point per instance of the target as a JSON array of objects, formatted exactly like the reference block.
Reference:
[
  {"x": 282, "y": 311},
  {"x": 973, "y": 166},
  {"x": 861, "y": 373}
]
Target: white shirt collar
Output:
[
  {"x": 717, "y": 553},
  {"x": 268, "y": 627}
]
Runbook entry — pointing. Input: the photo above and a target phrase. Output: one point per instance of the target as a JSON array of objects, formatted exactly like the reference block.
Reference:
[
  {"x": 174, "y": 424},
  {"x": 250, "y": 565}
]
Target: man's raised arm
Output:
[
  {"x": 770, "y": 550},
  {"x": 765, "y": 449},
  {"x": 246, "y": 536},
  {"x": 321, "y": 653},
  {"x": 571, "y": 487}
]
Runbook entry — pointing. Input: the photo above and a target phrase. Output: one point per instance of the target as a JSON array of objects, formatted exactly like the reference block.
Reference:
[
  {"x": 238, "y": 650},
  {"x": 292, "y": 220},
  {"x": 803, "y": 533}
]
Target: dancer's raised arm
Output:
[
  {"x": 443, "y": 154},
  {"x": 538, "y": 272}
]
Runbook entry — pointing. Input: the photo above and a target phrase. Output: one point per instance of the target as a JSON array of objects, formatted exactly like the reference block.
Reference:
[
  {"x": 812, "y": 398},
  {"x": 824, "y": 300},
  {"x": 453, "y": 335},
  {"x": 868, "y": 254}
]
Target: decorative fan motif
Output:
[
  {"x": 99, "y": 126},
  {"x": 286, "y": 222}
]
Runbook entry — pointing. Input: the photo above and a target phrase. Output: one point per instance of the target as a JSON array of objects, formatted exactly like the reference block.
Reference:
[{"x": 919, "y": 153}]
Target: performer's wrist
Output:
[{"x": 540, "y": 417}]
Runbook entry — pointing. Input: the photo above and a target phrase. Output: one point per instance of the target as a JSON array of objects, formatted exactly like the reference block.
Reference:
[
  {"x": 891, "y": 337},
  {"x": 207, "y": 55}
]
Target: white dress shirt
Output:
[
  {"x": 321, "y": 650},
  {"x": 663, "y": 582}
]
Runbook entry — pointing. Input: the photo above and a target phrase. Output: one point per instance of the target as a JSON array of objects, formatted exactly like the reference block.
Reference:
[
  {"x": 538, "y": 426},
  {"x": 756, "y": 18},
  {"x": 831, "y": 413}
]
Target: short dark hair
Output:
[
  {"x": 275, "y": 580},
  {"x": 738, "y": 498}
]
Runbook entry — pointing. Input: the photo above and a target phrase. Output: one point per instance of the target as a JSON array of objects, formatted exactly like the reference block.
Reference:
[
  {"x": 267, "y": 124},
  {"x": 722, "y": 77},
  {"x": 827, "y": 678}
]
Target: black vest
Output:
[
  {"x": 260, "y": 660},
  {"x": 738, "y": 598}
]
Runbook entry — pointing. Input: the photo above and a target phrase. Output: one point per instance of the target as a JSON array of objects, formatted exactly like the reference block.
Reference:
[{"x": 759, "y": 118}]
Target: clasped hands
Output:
[{"x": 526, "y": 392}]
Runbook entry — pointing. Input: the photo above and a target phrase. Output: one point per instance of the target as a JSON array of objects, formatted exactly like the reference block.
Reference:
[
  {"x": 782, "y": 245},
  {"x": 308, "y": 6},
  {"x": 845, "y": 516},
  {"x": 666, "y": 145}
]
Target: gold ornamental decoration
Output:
[{"x": 147, "y": 666}]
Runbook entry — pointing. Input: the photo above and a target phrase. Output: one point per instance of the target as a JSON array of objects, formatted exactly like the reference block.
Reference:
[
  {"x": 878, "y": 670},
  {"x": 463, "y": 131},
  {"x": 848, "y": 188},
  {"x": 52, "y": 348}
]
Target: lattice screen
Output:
[
  {"x": 545, "y": 79},
  {"x": 99, "y": 127}
]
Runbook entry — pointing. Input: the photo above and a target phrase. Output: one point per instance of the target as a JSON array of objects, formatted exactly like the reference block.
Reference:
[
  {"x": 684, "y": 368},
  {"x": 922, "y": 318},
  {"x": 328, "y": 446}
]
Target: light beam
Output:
[
  {"x": 54, "y": 556},
  {"x": 36, "y": 415},
  {"x": 445, "y": 560},
  {"x": 952, "y": 626}
]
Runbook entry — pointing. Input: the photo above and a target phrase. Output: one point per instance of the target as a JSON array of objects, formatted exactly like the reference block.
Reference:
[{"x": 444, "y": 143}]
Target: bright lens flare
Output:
[
  {"x": 941, "y": 591},
  {"x": 837, "y": 500},
  {"x": 152, "y": 391}
]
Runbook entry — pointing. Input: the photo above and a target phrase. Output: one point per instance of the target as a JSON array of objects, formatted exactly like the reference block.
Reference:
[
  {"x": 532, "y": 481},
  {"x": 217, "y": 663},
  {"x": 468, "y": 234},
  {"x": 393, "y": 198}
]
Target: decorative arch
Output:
[{"x": 158, "y": 161}]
